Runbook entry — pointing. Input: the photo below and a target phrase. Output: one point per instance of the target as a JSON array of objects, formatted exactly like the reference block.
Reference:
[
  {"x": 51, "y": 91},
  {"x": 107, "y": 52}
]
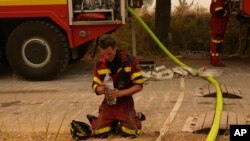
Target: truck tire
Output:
[{"x": 37, "y": 50}]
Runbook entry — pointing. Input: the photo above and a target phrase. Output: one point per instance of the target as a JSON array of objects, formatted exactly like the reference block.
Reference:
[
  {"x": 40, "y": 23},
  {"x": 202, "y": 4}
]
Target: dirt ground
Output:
[{"x": 43, "y": 110}]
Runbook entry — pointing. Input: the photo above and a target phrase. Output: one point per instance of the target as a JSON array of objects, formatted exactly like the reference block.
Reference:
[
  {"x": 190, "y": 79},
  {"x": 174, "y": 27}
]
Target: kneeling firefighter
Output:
[{"x": 127, "y": 78}]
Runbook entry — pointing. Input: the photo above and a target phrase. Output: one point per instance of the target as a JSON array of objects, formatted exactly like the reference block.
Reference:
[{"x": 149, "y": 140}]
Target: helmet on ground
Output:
[{"x": 80, "y": 130}]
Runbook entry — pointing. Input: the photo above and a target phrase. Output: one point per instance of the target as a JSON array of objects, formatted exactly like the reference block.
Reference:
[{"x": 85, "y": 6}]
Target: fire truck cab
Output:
[
  {"x": 245, "y": 7},
  {"x": 38, "y": 38}
]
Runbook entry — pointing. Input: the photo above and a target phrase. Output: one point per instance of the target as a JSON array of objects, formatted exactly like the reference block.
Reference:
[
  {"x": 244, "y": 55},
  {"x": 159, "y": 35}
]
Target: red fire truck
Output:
[
  {"x": 38, "y": 38},
  {"x": 245, "y": 7}
]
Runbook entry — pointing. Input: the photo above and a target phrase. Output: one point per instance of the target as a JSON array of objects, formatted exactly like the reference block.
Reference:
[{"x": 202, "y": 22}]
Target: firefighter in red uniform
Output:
[
  {"x": 220, "y": 12},
  {"x": 128, "y": 80}
]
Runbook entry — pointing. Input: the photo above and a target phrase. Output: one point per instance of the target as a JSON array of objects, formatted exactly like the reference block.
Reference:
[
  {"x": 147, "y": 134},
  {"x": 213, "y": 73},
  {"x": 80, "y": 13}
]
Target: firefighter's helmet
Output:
[{"x": 80, "y": 130}]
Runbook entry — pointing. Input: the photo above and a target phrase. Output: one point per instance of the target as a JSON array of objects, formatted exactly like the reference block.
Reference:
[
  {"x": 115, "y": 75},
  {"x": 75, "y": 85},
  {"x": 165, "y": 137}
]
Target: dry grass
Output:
[
  {"x": 144, "y": 137},
  {"x": 41, "y": 136},
  {"x": 191, "y": 137}
]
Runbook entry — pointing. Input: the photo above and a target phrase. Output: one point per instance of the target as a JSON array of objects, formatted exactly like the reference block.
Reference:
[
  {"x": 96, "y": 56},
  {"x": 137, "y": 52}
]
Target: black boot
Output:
[
  {"x": 141, "y": 116},
  {"x": 90, "y": 118}
]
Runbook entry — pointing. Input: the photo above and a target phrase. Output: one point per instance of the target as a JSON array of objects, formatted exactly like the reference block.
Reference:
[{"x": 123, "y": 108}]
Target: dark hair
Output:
[{"x": 106, "y": 42}]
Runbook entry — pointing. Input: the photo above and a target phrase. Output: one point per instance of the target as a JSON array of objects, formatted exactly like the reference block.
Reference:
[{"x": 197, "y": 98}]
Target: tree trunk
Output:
[{"x": 162, "y": 20}]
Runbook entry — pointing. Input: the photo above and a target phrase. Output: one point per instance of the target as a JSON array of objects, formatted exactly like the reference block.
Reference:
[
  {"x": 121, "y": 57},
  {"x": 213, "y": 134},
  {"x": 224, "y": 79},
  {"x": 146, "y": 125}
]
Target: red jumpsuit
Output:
[
  {"x": 126, "y": 74},
  {"x": 220, "y": 12}
]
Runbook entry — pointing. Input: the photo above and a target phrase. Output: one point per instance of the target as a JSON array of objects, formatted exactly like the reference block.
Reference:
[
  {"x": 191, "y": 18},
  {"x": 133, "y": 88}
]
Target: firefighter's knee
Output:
[
  {"x": 130, "y": 133},
  {"x": 102, "y": 133}
]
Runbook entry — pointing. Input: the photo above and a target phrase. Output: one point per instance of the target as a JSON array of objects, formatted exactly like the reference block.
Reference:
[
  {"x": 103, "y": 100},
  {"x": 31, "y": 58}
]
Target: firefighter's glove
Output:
[{"x": 80, "y": 130}]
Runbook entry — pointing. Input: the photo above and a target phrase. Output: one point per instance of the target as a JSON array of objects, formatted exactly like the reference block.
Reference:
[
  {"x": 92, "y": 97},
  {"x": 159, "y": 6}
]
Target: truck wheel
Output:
[{"x": 37, "y": 50}]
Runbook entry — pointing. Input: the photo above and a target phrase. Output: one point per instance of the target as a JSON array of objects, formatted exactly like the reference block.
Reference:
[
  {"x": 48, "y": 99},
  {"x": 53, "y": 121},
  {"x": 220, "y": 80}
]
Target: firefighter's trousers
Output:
[
  {"x": 218, "y": 29},
  {"x": 123, "y": 112}
]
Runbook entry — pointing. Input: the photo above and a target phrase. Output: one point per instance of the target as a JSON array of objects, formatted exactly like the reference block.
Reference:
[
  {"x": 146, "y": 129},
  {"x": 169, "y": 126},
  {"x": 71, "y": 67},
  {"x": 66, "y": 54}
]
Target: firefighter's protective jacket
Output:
[
  {"x": 125, "y": 72},
  {"x": 220, "y": 13},
  {"x": 128, "y": 71},
  {"x": 220, "y": 8}
]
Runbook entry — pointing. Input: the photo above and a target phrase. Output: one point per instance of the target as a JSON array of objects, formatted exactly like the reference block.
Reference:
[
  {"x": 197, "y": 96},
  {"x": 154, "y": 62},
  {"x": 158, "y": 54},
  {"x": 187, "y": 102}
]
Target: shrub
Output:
[{"x": 190, "y": 31}]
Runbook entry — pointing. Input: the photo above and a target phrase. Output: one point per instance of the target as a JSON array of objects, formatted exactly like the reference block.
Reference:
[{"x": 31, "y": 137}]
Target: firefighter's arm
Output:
[
  {"x": 221, "y": 12},
  {"x": 136, "y": 78},
  {"x": 219, "y": 8},
  {"x": 126, "y": 92},
  {"x": 97, "y": 84},
  {"x": 98, "y": 87}
]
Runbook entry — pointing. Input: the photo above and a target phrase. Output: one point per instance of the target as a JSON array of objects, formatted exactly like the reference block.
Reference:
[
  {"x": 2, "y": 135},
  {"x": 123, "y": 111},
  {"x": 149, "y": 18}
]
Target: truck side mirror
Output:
[{"x": 135, "y": 3}]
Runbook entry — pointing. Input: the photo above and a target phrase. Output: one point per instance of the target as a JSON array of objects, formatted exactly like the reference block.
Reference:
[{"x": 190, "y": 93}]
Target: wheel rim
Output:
[{"x": 36, "y": 52}]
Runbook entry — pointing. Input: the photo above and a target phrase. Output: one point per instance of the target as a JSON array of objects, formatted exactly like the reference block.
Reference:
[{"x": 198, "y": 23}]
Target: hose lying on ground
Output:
[{"x": 219, "y": 101}]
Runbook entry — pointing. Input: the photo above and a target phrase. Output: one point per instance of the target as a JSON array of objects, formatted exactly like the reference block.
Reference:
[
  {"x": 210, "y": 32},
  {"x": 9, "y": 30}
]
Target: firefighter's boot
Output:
[
  {"x": 90, "y": 118},
  {"x": 215, "y": 50},
  {"x": 141, "y": 116}
]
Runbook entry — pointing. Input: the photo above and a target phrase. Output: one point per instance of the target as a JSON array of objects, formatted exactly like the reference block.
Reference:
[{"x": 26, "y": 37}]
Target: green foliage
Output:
[
  {"x": 144, "y": 44},
  {"x": 59, "y": 129},
  {"x": 232, "y": 37},
  {"x": 190, "y": 31}
]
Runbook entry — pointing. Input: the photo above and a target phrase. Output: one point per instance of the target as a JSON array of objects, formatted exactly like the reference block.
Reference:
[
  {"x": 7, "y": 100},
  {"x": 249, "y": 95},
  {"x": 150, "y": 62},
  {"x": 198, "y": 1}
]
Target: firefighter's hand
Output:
[
  {"x": 102, "y": 89},
  {"x": 113, "y": 93}
]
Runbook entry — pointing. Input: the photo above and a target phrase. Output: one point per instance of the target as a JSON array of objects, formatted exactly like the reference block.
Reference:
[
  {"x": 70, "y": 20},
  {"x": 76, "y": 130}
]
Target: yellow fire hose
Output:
[{"x": 219, "y": 101}]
